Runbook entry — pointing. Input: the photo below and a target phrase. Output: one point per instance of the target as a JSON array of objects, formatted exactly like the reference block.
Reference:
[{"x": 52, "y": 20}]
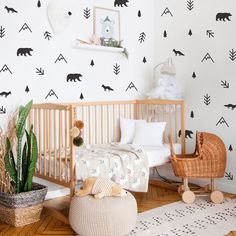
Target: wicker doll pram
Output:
[{"x": 208, "y": 161}]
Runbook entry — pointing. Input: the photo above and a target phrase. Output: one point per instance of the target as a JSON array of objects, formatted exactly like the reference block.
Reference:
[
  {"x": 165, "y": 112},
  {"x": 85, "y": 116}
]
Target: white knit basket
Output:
[{"x": 109, "y": 216}]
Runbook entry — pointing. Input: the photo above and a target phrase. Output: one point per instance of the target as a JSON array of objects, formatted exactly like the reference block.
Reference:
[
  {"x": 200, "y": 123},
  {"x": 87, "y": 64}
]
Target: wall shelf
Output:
[{"x": 78, "y": 45}]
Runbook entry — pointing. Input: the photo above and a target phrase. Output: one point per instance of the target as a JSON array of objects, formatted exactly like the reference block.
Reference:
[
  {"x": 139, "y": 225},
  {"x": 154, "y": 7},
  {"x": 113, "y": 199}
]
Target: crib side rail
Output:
[{"x": 52, "y": 124}]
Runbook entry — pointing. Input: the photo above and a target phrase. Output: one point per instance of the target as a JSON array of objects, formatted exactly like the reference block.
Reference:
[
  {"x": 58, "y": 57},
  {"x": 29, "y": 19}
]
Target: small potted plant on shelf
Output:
[{"x": 21, "y": 200}]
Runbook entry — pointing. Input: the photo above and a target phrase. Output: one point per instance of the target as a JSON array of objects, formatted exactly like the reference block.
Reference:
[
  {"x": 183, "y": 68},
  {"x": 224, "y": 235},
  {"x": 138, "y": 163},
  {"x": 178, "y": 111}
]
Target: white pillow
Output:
[
  {"x": 149, "y": 134},
  {"x": 127, "y": 129}
]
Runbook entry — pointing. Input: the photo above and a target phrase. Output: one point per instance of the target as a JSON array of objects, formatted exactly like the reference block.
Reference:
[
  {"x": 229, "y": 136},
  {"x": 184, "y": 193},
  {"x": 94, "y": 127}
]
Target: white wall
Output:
[
  {"x": 45, "y": 52},
  {"x": 208, "y": 74}
]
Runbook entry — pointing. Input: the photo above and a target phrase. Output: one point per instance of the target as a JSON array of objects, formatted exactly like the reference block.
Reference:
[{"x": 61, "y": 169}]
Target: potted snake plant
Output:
[{"x": 23, "y": 204}]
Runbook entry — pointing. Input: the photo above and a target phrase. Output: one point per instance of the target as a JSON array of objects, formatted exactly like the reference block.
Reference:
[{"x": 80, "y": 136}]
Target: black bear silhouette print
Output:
[
  {"x": 178, "y": 53},
  {"x": 24, "y": 51},
  {"x": 120, "y": 3},
  {"x": 222, "y": 16},
  {"x": 107, "y": 88},
  {"x": 6, "y": 94},
  {"x": 188, "y": 133},
  {"x": 73, "y": 77},
  {"x": 10, "y": 9}
]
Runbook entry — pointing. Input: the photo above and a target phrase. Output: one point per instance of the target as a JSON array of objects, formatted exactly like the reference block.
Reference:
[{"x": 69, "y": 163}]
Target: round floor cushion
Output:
[{"x": 109, "y": 216}]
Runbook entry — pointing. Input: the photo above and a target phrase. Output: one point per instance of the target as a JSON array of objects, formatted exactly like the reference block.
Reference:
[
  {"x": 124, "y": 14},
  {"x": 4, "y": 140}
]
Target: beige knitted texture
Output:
[
  {"x": 103, "y": 185},
  {"x": 109, "y": 216}
]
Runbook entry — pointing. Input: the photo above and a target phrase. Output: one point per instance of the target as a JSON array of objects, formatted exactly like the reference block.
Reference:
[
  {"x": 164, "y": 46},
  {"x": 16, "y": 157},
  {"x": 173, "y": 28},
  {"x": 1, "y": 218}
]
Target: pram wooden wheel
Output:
[
  {"x": 217, "y": 197},
  {"x": 188, "y": 197}
]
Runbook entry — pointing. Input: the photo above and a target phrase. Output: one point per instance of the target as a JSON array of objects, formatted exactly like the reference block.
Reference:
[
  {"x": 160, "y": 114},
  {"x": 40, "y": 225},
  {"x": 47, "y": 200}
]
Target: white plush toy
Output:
[
  {"x": 167, "y": 88},
  {"x": 59, "y": 14}
]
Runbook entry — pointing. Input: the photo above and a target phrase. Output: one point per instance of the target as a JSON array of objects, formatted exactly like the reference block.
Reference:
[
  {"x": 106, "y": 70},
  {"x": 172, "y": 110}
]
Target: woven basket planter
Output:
[{"x": 22, "y": 208}]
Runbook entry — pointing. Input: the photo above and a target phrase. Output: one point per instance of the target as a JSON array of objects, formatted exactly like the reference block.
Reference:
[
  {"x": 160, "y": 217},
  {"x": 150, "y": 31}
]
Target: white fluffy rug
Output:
[{"x": 202, "y": 218}]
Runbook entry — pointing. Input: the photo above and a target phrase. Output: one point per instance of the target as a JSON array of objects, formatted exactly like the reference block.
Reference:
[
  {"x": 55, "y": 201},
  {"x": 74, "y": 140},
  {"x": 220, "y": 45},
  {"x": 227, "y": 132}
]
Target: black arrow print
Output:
[
  {"x": 224, "y": 84},
  {"x": 47, "y": 35},
  {"x": 116, "y": 69},
  {"x": 232, "y": 55},
  {"x": 229, "y": 176},
  {"x": 207, "y": 99},
  {"x": 190, "y": 5},
  {"x": 142, "y": 37},
  {"x": 87, "y": 13},
  {"x": 2, "y": 110},
  {"x": 210, "y": 33},
  {"x": 2, "y": 31},
  {"x": 40, "y": 71}
]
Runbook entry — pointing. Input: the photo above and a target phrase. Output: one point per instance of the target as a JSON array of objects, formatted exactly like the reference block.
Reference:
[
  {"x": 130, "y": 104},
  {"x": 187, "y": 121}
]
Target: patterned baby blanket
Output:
[{"x": 123, "y": 164}]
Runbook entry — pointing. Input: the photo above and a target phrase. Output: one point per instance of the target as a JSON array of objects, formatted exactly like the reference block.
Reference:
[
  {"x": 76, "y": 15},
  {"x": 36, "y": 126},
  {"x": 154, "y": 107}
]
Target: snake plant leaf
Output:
[
  {"x": 29, "y": 141},
  {"x": 24, "y": 164},
  {"x": 22, "y": 118},
  {"x": 34, "y": 157},
  {"x": 20, "y": 127},
  {"x": 9, "y": 161}
]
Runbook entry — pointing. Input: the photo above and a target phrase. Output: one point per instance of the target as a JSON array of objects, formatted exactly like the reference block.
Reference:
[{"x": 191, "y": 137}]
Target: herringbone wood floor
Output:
[{"x": 48, "y": 225}]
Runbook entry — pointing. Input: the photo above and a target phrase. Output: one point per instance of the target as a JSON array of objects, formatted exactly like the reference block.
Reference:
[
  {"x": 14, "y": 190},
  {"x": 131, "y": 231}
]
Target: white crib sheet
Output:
[{"x": 160, "y": 155}]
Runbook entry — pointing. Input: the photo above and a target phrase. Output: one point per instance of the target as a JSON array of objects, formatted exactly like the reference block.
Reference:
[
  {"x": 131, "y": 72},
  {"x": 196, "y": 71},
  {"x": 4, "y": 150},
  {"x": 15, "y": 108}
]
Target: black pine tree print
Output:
[
  {"x": 87, "y": 12},
  {"x": 116, "y": 69},
  {"x": 2, "y": 31},
  {"x": 142, "y": 37},
  {"x": 139, "y": 13},
  {"x": 194, "y": 75},
  {"x": 190, "y": 33},
  {"x": 192, "y": 114},
  {"x": 38, "y": 4},
  {"x": 207, "y": 99},
  {"x": 144, "y": 60},
  {"x": 230, "y": 148},
  {"x": 27, "y": 89},
  {"x": 190, "y": 4},
  {"x": 165, "y": 34},
  {"x": 92, "y": 63},
  {"x": 232, "y": 55},
  {"x": 81, "y": 96}
]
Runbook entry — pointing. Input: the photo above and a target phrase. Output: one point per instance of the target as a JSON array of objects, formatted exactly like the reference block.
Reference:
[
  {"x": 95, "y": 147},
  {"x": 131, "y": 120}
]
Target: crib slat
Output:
[
  {"x": 66, "y": 144},
  {"x": 50, "y": 140},
  {"x": 96, "y": 131},
  {"x": 39, "y": 138},
  {"x": 102, "y": 141},
  {"x": 55, "y": 143},
  {"x": 60, "y": 143},
  {"x": 45, "y": 140},
  {"x": 176, "y": 123}
]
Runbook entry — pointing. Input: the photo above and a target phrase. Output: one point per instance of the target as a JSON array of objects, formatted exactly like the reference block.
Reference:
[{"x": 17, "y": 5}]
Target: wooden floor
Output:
[{"x": 49, "y": 225}]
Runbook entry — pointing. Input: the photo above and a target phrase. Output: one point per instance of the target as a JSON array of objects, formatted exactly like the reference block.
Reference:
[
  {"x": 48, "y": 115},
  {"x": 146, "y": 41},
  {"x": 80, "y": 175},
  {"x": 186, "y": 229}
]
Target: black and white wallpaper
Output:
[
  {"x": 39, "y": 63},
  {"x": 200, "y": 37}
]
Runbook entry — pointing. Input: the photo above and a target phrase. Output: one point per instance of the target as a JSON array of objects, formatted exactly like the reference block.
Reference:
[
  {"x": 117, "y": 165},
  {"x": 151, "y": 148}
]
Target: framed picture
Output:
[{"x": 106, "y": 24}]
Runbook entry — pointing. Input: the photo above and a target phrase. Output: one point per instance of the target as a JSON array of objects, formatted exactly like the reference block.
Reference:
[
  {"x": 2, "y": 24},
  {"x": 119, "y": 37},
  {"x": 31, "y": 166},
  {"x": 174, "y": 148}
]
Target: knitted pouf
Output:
[{"x": 109, "y": 216}]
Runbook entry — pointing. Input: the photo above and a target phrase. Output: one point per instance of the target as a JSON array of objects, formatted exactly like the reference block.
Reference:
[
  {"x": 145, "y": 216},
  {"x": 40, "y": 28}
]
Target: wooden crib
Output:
[{"x": 52, "y": 124}]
